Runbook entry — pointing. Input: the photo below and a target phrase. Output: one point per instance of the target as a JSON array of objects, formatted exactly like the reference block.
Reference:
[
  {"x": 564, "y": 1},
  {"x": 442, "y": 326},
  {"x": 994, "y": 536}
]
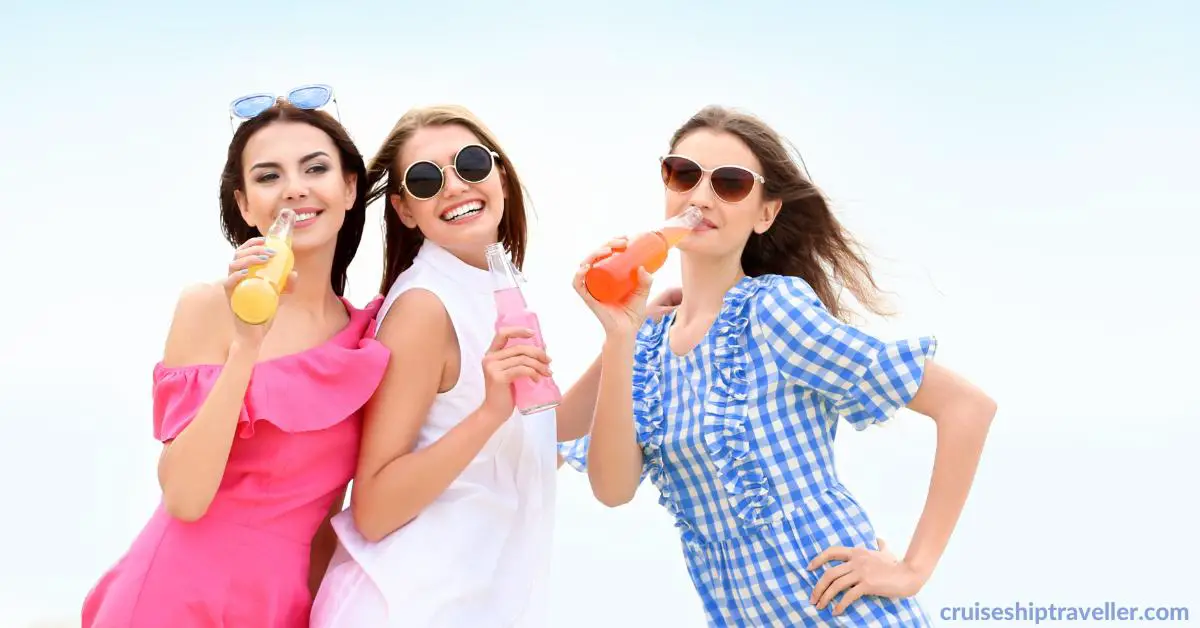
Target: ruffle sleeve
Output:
[
  {"x": 647, "y": 404},
  {"x": 303, "y": 392},
  {"x": 865, "y": 378}
]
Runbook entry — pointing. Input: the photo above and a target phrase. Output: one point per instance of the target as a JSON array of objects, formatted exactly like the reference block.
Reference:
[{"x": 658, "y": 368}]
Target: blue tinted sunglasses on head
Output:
[{"x": 304, "y": 97}]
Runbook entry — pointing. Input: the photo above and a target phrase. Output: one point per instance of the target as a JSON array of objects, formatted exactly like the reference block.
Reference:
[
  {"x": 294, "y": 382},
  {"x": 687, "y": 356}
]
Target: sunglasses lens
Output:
[
  {"x": 474, "y": 164},
  {"x": 310, "y": 97},
  {"x": 250, "y": 106},
  {"x": 679, "y": 174},
  {"x": 423, "y": 180},
  {"x": 732, "y": 184}
]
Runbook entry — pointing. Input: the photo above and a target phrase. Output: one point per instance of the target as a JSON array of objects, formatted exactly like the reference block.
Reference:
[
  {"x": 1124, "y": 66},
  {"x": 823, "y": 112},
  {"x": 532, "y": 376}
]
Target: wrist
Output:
[
  {"x": 489, "y": 416},
  {"x": 619, "y": 339},
  {"x": 920, "y": 570},
  {"x": 244, "y": 351}
]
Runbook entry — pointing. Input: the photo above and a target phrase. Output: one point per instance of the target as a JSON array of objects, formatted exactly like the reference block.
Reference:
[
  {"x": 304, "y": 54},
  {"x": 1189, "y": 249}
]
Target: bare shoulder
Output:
[
  {"x": 416, "y": 320},
  {"x": 200, "y": 327}
]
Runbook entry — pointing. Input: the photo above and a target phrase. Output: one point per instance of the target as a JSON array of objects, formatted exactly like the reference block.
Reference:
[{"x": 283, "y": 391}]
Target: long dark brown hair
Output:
[
  {"x": 400, "y": 244},
  {"x": 350, "y": 235},
  {"x": 805, "y": 240}
]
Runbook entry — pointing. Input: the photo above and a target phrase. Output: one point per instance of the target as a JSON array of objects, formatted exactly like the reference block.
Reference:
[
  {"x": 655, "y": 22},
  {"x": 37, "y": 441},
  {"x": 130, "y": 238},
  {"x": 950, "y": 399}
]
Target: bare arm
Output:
[
  {"x": 963, "y": 415},
  {"x": 191, "y": 466},
  {"x": 578, "y": 406},
  {"x": 323, "y": 545},
  {"x": 614, "y": 458},
  {"x": 394, "y": 483},
  {"x": 574, "y": 415}
]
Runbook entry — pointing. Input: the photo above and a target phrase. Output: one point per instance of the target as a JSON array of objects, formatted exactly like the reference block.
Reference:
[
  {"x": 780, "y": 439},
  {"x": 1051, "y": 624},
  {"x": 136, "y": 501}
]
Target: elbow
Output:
[
  {"x": 970, "y": 408},
  {"x": 612, "y": 501},
  {"x": 185, "y": 509},
  {"x": 610, "y": 496},
  {"x": 184, "y": 502},
  {"x": 974, "y": 412},
  {"x": 365, "y": 523},
  {"x": 369, "y": 523},
  {"x": 984, "y": 409}
]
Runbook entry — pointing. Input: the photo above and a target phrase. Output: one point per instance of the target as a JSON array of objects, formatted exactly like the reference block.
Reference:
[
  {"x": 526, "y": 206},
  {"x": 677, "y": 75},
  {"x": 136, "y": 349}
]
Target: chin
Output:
[
  {"x": 695, "y": 243},
  {"x": 704, "y": 248},
  {"x": 315, "y": 238},
  {"x": 482, "y": 231}
]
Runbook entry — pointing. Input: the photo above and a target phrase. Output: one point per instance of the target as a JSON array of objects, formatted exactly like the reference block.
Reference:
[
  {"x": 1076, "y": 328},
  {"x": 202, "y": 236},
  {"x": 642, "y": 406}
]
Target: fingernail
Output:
[
  {"x": 264, "y": 257},
  {"x": 243, "y": 271},
  {"x": 270, "y": 251}
]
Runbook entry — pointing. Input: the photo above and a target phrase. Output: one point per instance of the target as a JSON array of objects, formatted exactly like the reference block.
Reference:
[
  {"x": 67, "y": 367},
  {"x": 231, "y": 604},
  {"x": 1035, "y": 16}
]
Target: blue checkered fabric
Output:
[{"x": 737, "y": 436}]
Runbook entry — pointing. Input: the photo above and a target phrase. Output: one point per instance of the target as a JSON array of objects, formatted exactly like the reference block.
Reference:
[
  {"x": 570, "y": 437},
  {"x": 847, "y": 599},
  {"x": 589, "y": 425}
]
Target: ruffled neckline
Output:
[
  {"x": 304, "y": 391},
  {"x": 725, "y": 433},
  {"x": 361, "y": 324}
]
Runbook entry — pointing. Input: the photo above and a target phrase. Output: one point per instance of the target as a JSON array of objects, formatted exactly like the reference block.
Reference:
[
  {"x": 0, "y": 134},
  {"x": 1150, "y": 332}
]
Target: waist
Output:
[
  {"x": 291, "y": 531},
  {"x": 708, "y": 523},
  {"x": 478, "y": 555}
]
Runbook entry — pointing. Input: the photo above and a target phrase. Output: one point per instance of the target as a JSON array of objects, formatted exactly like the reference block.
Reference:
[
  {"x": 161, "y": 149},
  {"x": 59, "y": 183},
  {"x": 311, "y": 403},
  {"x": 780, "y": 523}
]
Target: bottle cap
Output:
[
  {"x": 284, "y": 223},
  {"x": 689, "y": 218}
]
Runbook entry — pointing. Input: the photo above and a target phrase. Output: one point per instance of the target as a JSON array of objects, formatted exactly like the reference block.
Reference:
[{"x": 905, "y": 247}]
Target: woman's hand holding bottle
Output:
[
  {"x": 251, "y": 253},
  {"x": 504, "y": 363},
  {"x": 627, "y": 317}
]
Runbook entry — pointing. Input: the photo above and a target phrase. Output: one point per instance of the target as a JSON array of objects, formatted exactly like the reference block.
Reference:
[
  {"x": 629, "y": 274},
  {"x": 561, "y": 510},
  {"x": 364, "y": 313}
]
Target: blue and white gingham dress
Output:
[{"x": 738, "y": 437}]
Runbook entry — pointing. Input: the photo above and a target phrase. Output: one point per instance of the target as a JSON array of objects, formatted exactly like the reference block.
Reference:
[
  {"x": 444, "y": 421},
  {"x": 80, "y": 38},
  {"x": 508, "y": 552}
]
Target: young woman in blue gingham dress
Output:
[{"x": 737, "y": 431}]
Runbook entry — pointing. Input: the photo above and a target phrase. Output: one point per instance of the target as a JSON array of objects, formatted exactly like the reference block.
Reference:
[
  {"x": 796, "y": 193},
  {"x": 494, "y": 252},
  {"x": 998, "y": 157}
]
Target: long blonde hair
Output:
[{"x": 400, "y": 243}]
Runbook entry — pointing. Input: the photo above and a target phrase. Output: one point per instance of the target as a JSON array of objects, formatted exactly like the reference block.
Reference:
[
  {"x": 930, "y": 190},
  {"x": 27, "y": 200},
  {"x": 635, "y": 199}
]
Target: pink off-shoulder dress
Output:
[{"x": 244, "y": 564}]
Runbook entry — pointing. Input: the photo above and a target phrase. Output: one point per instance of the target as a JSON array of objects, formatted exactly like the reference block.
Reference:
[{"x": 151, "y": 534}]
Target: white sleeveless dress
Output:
[{"x": 479, "y": 555}]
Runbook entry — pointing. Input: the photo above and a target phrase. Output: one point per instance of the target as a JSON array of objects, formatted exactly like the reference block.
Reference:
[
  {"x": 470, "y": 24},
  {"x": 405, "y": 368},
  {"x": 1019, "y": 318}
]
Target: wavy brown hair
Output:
[
  {"x": 805, "y": 240},
  {"x": 400, "y": 244},
  {"x": 350, "y": 235}
]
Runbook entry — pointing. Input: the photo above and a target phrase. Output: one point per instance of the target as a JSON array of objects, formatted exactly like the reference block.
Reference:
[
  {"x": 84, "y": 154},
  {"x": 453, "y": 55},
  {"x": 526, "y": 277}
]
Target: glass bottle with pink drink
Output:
[{"x": 511, "y": 311}]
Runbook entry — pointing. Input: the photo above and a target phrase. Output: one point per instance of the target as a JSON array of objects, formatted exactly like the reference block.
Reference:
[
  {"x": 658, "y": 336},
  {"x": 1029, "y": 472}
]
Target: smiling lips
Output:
[
  {"x": 305, "y": 216},
  {"x": 462, "y": 212}
]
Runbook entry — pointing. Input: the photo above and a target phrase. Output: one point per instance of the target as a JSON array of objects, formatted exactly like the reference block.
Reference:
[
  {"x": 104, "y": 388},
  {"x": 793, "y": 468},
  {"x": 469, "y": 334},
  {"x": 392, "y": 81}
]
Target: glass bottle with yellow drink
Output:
[{"x": 256, "y": 297}]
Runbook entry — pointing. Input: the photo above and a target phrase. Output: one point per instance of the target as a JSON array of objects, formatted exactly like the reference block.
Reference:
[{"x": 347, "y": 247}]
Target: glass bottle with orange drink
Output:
[{"x": 612, "y": 279}]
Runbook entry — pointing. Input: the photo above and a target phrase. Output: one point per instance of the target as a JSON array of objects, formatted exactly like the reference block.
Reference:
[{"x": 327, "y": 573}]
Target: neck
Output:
[
  {"x": 706, "y": 280},
  {"x": 471, "y": 253},
  {"x": 313, "y": 290}
]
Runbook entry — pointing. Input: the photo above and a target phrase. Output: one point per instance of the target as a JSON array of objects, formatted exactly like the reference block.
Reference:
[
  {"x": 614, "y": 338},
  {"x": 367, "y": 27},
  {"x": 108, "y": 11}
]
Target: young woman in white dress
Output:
[{"x": 452, "y": 506}]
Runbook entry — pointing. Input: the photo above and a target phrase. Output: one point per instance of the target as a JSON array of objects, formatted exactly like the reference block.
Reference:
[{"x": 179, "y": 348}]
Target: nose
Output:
[
  {"x": 454, "y": 183},
  {"x": 296, "y": 189},
  {"x": 702, "y": 195}
]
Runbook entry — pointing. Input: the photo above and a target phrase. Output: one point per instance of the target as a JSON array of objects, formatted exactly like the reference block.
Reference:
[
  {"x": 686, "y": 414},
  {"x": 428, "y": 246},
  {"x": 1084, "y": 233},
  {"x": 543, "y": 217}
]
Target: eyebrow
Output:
[{"x": 272, "y": 164}]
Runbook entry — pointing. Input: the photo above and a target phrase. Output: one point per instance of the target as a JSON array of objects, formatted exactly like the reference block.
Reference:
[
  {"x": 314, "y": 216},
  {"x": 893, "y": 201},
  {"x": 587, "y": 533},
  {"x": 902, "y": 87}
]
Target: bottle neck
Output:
[{"x": 504, "y": 276}]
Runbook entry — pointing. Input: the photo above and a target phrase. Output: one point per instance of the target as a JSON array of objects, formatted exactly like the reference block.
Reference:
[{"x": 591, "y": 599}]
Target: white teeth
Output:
[
  {"x": 305, "y": 216},
  {"x": 463, "y": 210}
]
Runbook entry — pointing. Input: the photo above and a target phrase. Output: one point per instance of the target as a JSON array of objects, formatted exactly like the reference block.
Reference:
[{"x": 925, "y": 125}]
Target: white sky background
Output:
[{"x": 1025, "y": 177}]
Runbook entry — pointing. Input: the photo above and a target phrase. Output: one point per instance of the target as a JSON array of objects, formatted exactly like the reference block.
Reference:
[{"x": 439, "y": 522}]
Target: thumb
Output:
[
  {"x": 231, "y": 281},
  {"x": 882, "y": 545},
  {"x": 645, "y": 280},
  {"x": 290, "y": 285}
]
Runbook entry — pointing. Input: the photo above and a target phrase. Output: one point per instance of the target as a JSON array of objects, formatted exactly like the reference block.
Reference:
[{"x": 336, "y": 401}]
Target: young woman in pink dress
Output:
[{"x": 259, "y": 424}]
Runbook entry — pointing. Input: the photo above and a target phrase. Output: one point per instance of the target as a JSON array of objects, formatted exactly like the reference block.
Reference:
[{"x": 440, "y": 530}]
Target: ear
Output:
[
  {"x": 770, "y": 211},
  {"x": 240, "y": 197},
  {"x": 503, "y": 181},
  {"x": 351, "y": 190},
  {"x": 402, "y": 210}
]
